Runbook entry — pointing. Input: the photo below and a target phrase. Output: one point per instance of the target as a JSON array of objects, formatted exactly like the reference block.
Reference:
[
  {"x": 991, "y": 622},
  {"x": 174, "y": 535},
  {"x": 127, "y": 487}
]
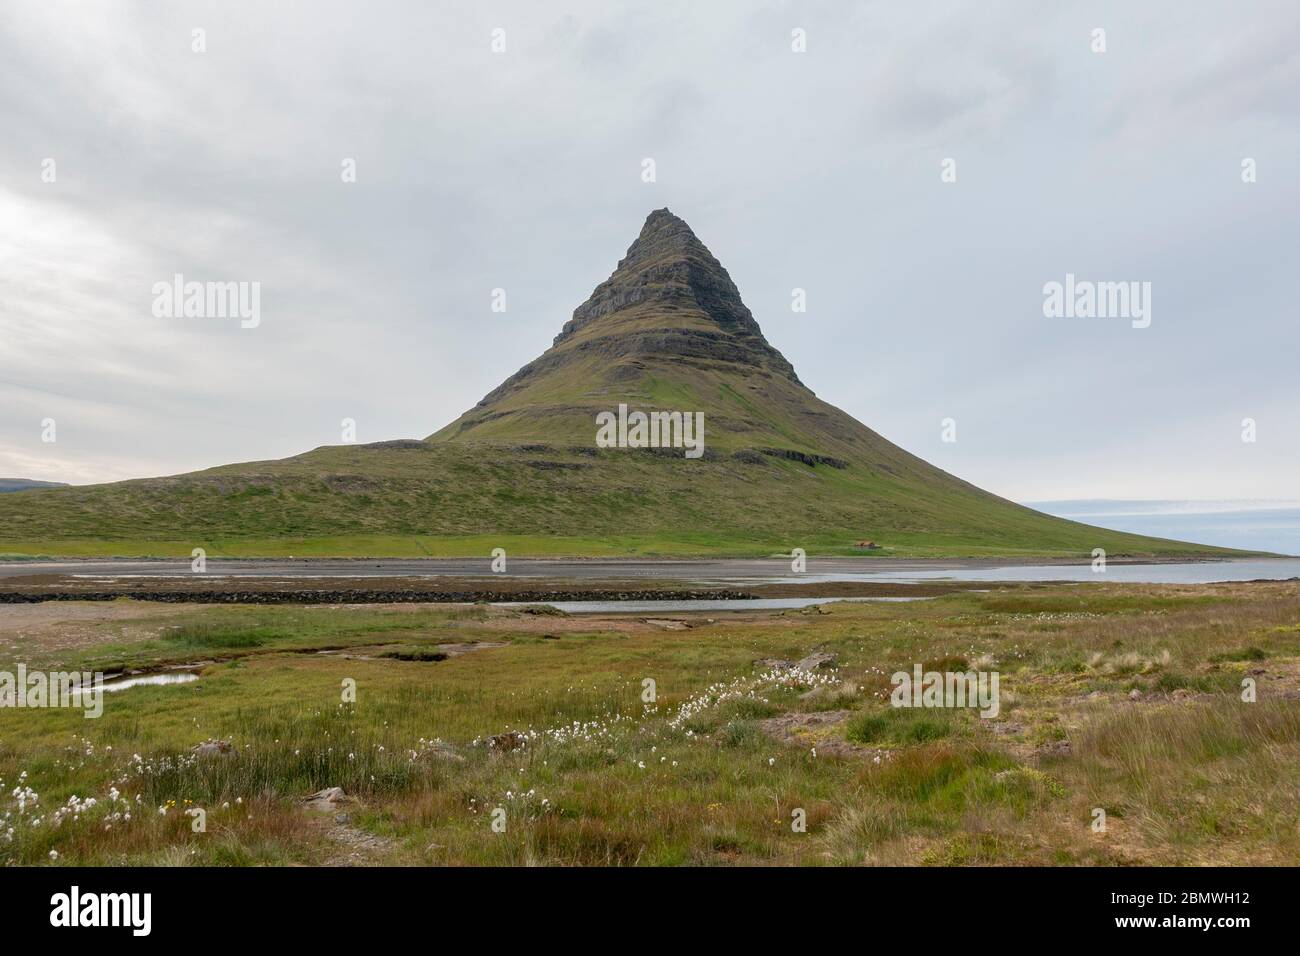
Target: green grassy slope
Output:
[{"x": 458, "y": 499}]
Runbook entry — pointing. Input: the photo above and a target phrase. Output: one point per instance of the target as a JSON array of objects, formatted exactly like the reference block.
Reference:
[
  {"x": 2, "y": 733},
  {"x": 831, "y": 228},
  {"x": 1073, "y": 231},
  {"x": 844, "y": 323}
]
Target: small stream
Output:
[
  {"x": 662, "y": 607},
  {"x": 145, "y": 680}
]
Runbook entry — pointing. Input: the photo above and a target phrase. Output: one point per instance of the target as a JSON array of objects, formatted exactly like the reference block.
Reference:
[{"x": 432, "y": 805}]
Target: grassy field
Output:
[
  {"x": 1116, "y": 544},
  {"x": 1121, "y": 698}
]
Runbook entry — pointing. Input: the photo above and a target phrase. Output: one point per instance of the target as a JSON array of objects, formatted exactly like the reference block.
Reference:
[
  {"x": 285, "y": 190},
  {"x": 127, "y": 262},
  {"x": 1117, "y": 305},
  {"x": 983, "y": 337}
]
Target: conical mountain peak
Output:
[
  {"x": 668, "y": 273},
  {"x": 667, "y": 328}
]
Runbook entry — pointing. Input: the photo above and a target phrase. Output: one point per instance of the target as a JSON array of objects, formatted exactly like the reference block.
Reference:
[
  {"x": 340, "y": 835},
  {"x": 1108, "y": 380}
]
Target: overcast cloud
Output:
[{"x": 521, "y": 170}]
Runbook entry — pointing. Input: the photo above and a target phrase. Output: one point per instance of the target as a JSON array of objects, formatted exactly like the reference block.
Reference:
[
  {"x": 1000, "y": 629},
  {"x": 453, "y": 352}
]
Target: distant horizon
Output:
[
  {"x": 1266, "y": 504},
  {"x": 1251, "y": 524}
]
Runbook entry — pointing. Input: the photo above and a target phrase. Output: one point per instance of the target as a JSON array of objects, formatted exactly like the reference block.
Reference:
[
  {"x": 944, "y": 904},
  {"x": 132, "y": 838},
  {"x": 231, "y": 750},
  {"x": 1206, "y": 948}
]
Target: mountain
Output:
[
  {"x": 24, "y": 484},
  {"x": 524, "y": 469}
]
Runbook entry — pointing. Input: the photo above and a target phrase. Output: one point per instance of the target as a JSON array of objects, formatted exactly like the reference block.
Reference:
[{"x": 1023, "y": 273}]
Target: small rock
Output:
[
  {"x": 773, "y": 663},
  {"x": 328, "y": 800},
  {"x": 441, "y": 750},
  {"x": 815, "y": 660},
  {"x": 214, "y": 748},
  {"x": 667, "y": 624}
]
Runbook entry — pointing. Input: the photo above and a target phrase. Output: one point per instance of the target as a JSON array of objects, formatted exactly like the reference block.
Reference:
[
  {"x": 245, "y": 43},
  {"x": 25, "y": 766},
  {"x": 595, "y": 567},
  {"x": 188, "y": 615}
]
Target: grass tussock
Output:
[{"x": 899, "y": 726}]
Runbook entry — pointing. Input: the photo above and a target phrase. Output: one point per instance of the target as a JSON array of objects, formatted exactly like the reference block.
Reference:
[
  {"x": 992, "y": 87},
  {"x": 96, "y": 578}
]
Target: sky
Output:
[{"x": 822, "y": 169}]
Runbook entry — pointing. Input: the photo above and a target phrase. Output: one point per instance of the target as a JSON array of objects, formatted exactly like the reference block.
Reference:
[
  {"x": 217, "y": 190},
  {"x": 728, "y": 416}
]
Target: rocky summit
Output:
[
  {"x": 670, "y": 274},
  {"x": 666, "y": 337}
]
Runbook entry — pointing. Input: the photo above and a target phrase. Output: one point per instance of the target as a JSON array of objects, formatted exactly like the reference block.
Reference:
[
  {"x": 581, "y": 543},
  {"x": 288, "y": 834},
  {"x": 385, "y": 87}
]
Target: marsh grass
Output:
[
  {"x": 607, "y": 779},
  {"x": 1180, "y": 778}
]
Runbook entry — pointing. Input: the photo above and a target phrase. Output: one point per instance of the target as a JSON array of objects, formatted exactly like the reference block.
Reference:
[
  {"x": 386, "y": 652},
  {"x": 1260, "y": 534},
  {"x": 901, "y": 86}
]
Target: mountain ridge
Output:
[{"x": 27, "y": 484}]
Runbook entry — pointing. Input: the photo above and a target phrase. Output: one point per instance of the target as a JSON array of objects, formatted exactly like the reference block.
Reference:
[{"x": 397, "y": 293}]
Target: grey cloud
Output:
[{"x": 521, "y": 171}]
